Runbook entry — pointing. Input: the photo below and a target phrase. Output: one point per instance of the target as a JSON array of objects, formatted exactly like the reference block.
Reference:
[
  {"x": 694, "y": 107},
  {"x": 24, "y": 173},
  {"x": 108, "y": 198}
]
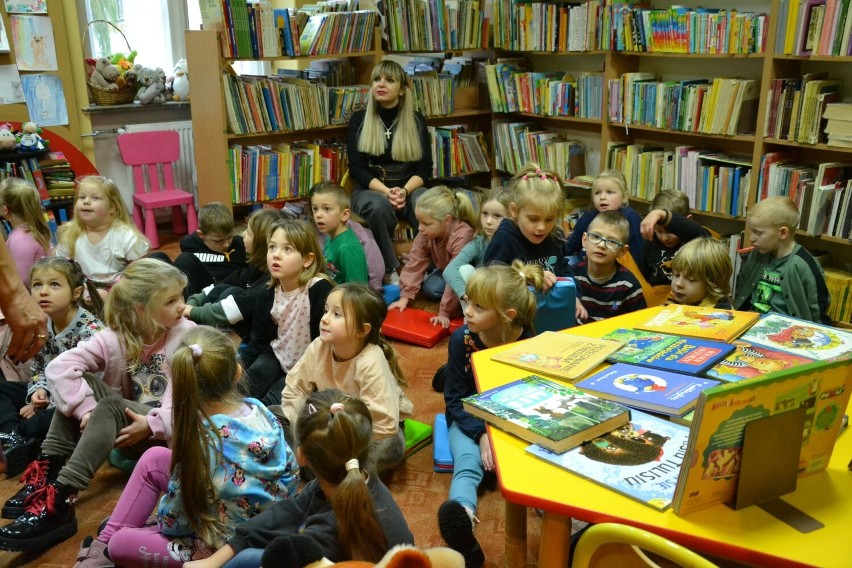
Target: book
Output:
[
  {"x": 695, "y": 321},
  {"x": 557, "y": 354},
  {"x": 553, "y": 415},
  {"x": 711, "y": 465},
  {"x": 668, "y": 352},
  {"x": 751, "y": 360},
  {"x": 800, "y": 337},
  {"x": 653, "y": 390},
  {"x": 640, "y": 460}
]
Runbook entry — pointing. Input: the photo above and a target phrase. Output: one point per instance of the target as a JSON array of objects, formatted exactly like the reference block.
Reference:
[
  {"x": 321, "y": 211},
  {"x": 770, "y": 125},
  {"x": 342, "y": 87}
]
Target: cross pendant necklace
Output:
[{"x": 388, "y": 128}]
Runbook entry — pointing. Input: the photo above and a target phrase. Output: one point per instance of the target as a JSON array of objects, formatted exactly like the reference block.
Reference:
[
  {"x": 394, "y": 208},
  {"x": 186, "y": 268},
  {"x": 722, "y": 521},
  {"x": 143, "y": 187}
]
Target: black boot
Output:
[
  {"x": 44, "y": 469},
  {"x": 19, "y": 452},
  {"x": 48, "y": 519},
  {"x": 440, "y": 379},
  {"x": 456, "y": 527}
]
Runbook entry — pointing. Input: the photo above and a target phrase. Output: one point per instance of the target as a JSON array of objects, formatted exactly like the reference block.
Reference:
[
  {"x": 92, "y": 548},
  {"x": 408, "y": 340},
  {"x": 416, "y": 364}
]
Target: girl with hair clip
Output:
[
  {"x": 701, "y": 274},
  {"x": 532, "y": 234},
  {"x": 228, "y": 462},
  {"x": 131, "y": 407},
  {"x": 230, "y": 302},
  {"x": 351, "y": 355},
  {"x": 101, "y": 236},
  {"x": 27, "y": 408},
  {"x": 446, "y": 219},
  {"x": 287, "y": 312},
  {"x": 349, "y": 513},
  {"x": 389, "y": 158},
  {"x": 501, "y": 309},
  {"x": 30, "y": 238}
]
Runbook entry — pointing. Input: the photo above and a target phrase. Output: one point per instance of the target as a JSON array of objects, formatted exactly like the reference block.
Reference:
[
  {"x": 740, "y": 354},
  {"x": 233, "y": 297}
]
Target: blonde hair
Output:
[
  {"x": 671, "y": 200},
  {"x": 142, "y": 285},
  {"x": 502, "y": 195},
  {"x": 615, "y": 220},
  {"x": 203, "y": 367},
  {"x": 543, "y": 188},
  {"x": 261, "y": 222},
  {"x": 22, "y": 199},
  {"x": 363, "y": 305},
  {"x": 707, "y": 260},
  {"x": 616, "y": 177},
  {"x": 780, "y": 211},
  {"x": 215, "y": 218},
  {"x": 72, "y": 230},
  {"x": 303, "y": 237},
  {"x": 440, "y": 201},
  {"x": 504, "y": 287},
  {"x": 406, "y": 145}
]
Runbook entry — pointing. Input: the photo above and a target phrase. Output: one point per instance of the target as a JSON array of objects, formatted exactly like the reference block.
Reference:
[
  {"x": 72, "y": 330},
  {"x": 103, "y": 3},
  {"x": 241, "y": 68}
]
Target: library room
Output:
[{"x": 600, "y": 251}]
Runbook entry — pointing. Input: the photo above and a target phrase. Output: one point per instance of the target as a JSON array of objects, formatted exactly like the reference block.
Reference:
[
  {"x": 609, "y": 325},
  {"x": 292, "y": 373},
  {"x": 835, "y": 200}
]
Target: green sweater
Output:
[{"x": 345, "y": 259}]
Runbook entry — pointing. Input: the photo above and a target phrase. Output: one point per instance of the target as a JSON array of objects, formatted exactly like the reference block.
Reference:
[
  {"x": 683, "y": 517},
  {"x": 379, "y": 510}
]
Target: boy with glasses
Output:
[{"x": 604, "y": 287}]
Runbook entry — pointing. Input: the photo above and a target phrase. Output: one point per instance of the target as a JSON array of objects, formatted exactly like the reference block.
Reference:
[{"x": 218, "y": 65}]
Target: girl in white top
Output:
[{"x": 101, "y": 237}]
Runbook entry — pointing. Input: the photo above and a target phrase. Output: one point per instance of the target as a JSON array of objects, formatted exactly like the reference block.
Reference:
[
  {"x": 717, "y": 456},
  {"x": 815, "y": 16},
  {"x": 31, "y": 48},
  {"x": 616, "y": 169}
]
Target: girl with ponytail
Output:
[
  {"x": 351, "y": 355},
  {"x": 347, "y": 511},
  {"x": 228, "y": 462}
]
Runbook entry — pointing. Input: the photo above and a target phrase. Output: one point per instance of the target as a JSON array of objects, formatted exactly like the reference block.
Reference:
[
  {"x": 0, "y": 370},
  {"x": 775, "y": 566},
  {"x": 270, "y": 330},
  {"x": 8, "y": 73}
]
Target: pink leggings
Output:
[{"x": 132, "y": 541}]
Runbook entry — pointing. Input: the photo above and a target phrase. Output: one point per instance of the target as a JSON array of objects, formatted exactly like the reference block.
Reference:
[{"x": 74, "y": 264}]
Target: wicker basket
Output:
[{"x": 106, "y": 97}]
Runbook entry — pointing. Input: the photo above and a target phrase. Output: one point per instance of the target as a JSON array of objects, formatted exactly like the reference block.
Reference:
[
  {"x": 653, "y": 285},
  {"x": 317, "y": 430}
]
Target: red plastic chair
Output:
[{"x": 151, "y": 155}]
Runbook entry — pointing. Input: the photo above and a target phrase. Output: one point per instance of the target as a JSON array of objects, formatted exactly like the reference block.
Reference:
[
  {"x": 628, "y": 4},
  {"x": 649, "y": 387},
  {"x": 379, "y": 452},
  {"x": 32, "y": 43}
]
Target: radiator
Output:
[{"x": 184, "y": 169}]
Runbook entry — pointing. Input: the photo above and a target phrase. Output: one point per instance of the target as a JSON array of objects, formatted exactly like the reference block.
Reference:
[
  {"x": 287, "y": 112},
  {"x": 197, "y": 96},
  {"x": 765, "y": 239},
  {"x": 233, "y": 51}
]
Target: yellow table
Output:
[{"x": 749, "y": 536}]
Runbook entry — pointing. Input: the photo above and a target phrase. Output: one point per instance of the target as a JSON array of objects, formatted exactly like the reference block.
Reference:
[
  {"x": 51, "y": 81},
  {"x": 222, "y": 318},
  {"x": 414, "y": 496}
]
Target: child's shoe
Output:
[
  {"x": 42, "y": 470},
  {"x": 456, "y": 524},
  {"x": 48, "y": 519},
  {"x": 391, "y": 277},
  {"x": 19, "y": 452},
  {"x": 93, "y": 554},
  {"x": 440, "y": 379}
]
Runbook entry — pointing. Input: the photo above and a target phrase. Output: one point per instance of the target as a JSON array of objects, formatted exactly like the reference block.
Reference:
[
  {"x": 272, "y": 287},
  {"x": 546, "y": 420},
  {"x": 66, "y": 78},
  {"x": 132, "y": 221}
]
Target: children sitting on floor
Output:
[{"x": 345, "y": 260}]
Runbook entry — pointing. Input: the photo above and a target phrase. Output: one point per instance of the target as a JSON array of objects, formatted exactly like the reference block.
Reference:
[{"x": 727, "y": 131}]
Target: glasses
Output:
[{"x": 597, "y": 239}]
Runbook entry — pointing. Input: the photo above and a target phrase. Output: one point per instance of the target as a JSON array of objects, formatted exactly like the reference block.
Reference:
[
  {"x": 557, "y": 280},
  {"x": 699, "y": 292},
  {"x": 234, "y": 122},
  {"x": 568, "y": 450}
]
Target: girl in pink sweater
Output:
[
  {"x": 447, "y": 219},
  {"x": 129, "y": 407},
  {"x": 29, "y": 240}
]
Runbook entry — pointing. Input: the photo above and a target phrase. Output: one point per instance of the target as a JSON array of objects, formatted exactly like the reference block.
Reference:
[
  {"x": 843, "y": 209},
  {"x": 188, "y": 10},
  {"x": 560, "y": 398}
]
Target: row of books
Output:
[
  {"x": 516, "y": 143},
  {"x": 839, "y": 285},
  {"x": 712, "y": 181},
  {"x": 274, "y": 104},
  {"x": 578, "y": 427},
  {"x": 795, "y": 106},
  {"x": 337, "y": 32},
  {"x": 813, "y": 27},
  {"x": 540, "y": 26},
  {"x": 722, "y": 106},
  {"x": 456, "y": 152},
  {"x": 433, "y": 94},
  {"x": 435, "y": 25}
]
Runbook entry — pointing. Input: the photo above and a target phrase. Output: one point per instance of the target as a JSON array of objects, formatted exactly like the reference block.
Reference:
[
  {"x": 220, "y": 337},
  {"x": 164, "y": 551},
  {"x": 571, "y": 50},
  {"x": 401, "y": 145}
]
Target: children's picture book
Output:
[
  {"x": 560, "y": 355},
  {"x": 688, "y": 355},
  {"x": 800, "y": 337},
  {"x": 711, "y": 465},
  {"x": 751, "y": 360},
  {"x": 553, "y": 415},
  {"x": 653, "y": 390},
  {"x": 695, "y": 321},
  {"x": 640, "y": 460}
]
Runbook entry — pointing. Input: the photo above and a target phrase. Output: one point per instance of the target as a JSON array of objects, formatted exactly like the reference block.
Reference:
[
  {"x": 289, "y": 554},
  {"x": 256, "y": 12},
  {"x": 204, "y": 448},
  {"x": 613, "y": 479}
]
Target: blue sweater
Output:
[{"x": 508, "y": 244}]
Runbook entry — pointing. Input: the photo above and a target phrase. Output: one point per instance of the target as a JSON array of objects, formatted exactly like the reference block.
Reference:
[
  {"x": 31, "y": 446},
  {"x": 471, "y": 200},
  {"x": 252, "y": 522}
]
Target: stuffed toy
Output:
[
  {"x": 102, "y": 73},
  {"x": 8, "y": 141},
  {"x": 180, "y": 83},
  {"x": 123, "y": 62},
  {"x": 302, "y": 551},
  {"x": 30, "y": 139},
  {"x": 131, "y": 76},
  {"x": 150, "y": 87}
]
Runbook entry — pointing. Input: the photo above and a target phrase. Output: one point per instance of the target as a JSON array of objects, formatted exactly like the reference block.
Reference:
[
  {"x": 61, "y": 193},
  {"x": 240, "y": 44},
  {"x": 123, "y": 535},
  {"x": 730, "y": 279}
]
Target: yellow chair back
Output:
[{"x": 613, "y": 544}]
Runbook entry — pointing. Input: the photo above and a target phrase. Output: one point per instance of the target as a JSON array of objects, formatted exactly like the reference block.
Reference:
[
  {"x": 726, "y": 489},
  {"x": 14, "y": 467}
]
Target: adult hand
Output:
[
  {"x": 400, "y": 305},
  {"x": 40, "y": 399},
  {"x": 397, "y": 197},
  {"x": 440, "y": 320},
  {"x": 134, "y": 432},
  {"x": 28, "y": 324},
  {"x": 485, "y": 452},
  {"x": 649, "y": 223}
]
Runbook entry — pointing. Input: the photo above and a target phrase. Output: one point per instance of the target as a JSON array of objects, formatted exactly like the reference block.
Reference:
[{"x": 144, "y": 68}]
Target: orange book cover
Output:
[{"x": 694, "y": 321}]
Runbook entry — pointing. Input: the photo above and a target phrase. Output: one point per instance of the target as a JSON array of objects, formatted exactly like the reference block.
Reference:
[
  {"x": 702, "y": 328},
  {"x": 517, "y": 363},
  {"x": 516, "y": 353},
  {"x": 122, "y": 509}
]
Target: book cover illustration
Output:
[
  {"x": 560, "y": 355},
  {"x": 647, "y": 389},
  {"x": 542, "y": 411},
  {"x": 695, "y": 321},
  {"x": 711, "y": 466},
  {"x": 688, "y": 355},
  {"x": 800, "y": 337},
  {"x": 750, "y": 360},
  {"x": 640, "y": 460}
]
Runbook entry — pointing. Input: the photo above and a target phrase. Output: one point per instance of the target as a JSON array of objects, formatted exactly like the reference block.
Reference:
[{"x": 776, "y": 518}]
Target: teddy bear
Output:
[
  {"x": 103, "y": 73},
  {"x": 131, "y": 76},
  {"x": 150, "y": 87},
  {"x": 8, "y": 141},
  {"x": 30, "y": 138}
]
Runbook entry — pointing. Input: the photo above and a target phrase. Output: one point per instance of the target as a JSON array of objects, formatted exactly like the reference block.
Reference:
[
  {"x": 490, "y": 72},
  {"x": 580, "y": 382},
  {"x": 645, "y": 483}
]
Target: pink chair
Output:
[{"x": 149, "y": 154}]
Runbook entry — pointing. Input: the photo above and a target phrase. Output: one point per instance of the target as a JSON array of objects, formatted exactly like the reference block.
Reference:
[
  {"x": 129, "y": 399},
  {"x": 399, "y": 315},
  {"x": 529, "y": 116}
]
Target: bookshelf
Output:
[{"x": 212, "y": 138}]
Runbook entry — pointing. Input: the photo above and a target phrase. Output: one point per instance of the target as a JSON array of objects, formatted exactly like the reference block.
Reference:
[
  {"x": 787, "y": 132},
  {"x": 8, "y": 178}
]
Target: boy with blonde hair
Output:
[
  {"x": 604, "y": 287},
  {"x": 344, "y": 256},
  {"x": 779, "y": 275}
]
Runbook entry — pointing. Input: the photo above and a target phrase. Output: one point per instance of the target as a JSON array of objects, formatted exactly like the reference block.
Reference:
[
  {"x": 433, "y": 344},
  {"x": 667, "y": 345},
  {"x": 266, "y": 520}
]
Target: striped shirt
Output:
[{"x": 621, "y": 294}]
